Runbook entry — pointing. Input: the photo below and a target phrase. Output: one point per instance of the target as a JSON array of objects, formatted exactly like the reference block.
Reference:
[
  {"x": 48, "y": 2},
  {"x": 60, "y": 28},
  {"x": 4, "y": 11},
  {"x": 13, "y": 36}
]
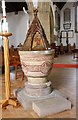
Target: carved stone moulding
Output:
[{"x": 36, "y": 64}]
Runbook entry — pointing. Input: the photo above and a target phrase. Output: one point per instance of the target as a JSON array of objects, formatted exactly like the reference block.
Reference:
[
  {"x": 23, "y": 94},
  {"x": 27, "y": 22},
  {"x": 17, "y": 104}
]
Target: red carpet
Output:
[{"x": 65, "y": 65}]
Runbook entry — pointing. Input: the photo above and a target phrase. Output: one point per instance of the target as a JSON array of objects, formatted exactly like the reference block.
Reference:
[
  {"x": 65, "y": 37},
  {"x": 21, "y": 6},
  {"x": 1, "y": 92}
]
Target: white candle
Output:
[
  {"x": 35, "y": 3},
  {"x": 4, "y": 16},
  {"x": 3, "y": 7}
]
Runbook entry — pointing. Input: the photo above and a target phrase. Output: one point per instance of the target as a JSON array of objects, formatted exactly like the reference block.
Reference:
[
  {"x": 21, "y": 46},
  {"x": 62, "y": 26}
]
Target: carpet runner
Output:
[{"x": 65, "y": 65}]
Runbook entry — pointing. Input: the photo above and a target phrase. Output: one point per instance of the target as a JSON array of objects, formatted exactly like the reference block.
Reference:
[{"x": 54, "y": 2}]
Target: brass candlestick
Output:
[{"x": 8, "y": 100}]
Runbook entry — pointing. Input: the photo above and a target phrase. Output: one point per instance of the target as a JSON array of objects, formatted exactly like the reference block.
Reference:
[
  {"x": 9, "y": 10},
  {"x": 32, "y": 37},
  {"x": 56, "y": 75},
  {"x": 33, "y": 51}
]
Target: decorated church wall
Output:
[{"x": 18, "y": 24}]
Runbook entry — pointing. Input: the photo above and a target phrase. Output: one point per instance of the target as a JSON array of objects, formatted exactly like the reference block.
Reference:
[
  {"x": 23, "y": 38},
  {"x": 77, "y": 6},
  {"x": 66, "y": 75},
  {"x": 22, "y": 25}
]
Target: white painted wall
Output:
[
  {"x": 17, "y": 25},
  {"x": 71, "y": 40}
]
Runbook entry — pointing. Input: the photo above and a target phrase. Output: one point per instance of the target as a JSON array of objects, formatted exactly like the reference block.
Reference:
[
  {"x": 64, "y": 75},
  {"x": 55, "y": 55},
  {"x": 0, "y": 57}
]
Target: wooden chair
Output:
[
  {"x": 17, "y": 64},
  {"x": 69, "y": 48},
  {"x": 2, "y": 59},
  {"x": 75, "y": 54},
  {"x": 53, "y": 46},
  {"x": 61, "y": 49},
  {"x": 15, "y": 61},
  {"x": 73, "y": 47}
]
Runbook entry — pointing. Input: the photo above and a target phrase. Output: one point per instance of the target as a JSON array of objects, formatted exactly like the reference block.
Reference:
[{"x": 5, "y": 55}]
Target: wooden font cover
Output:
[{"x": 36, "y": 37}]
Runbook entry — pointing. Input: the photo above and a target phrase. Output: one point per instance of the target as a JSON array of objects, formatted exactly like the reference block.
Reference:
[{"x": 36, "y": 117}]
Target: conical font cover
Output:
[{"x": 36, "y": 37}]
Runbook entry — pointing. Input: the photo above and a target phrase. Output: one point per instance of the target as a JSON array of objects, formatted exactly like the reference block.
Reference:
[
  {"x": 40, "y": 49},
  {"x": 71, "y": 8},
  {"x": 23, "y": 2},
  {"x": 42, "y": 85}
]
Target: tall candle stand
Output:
[{"x": 8, "y": 100}]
